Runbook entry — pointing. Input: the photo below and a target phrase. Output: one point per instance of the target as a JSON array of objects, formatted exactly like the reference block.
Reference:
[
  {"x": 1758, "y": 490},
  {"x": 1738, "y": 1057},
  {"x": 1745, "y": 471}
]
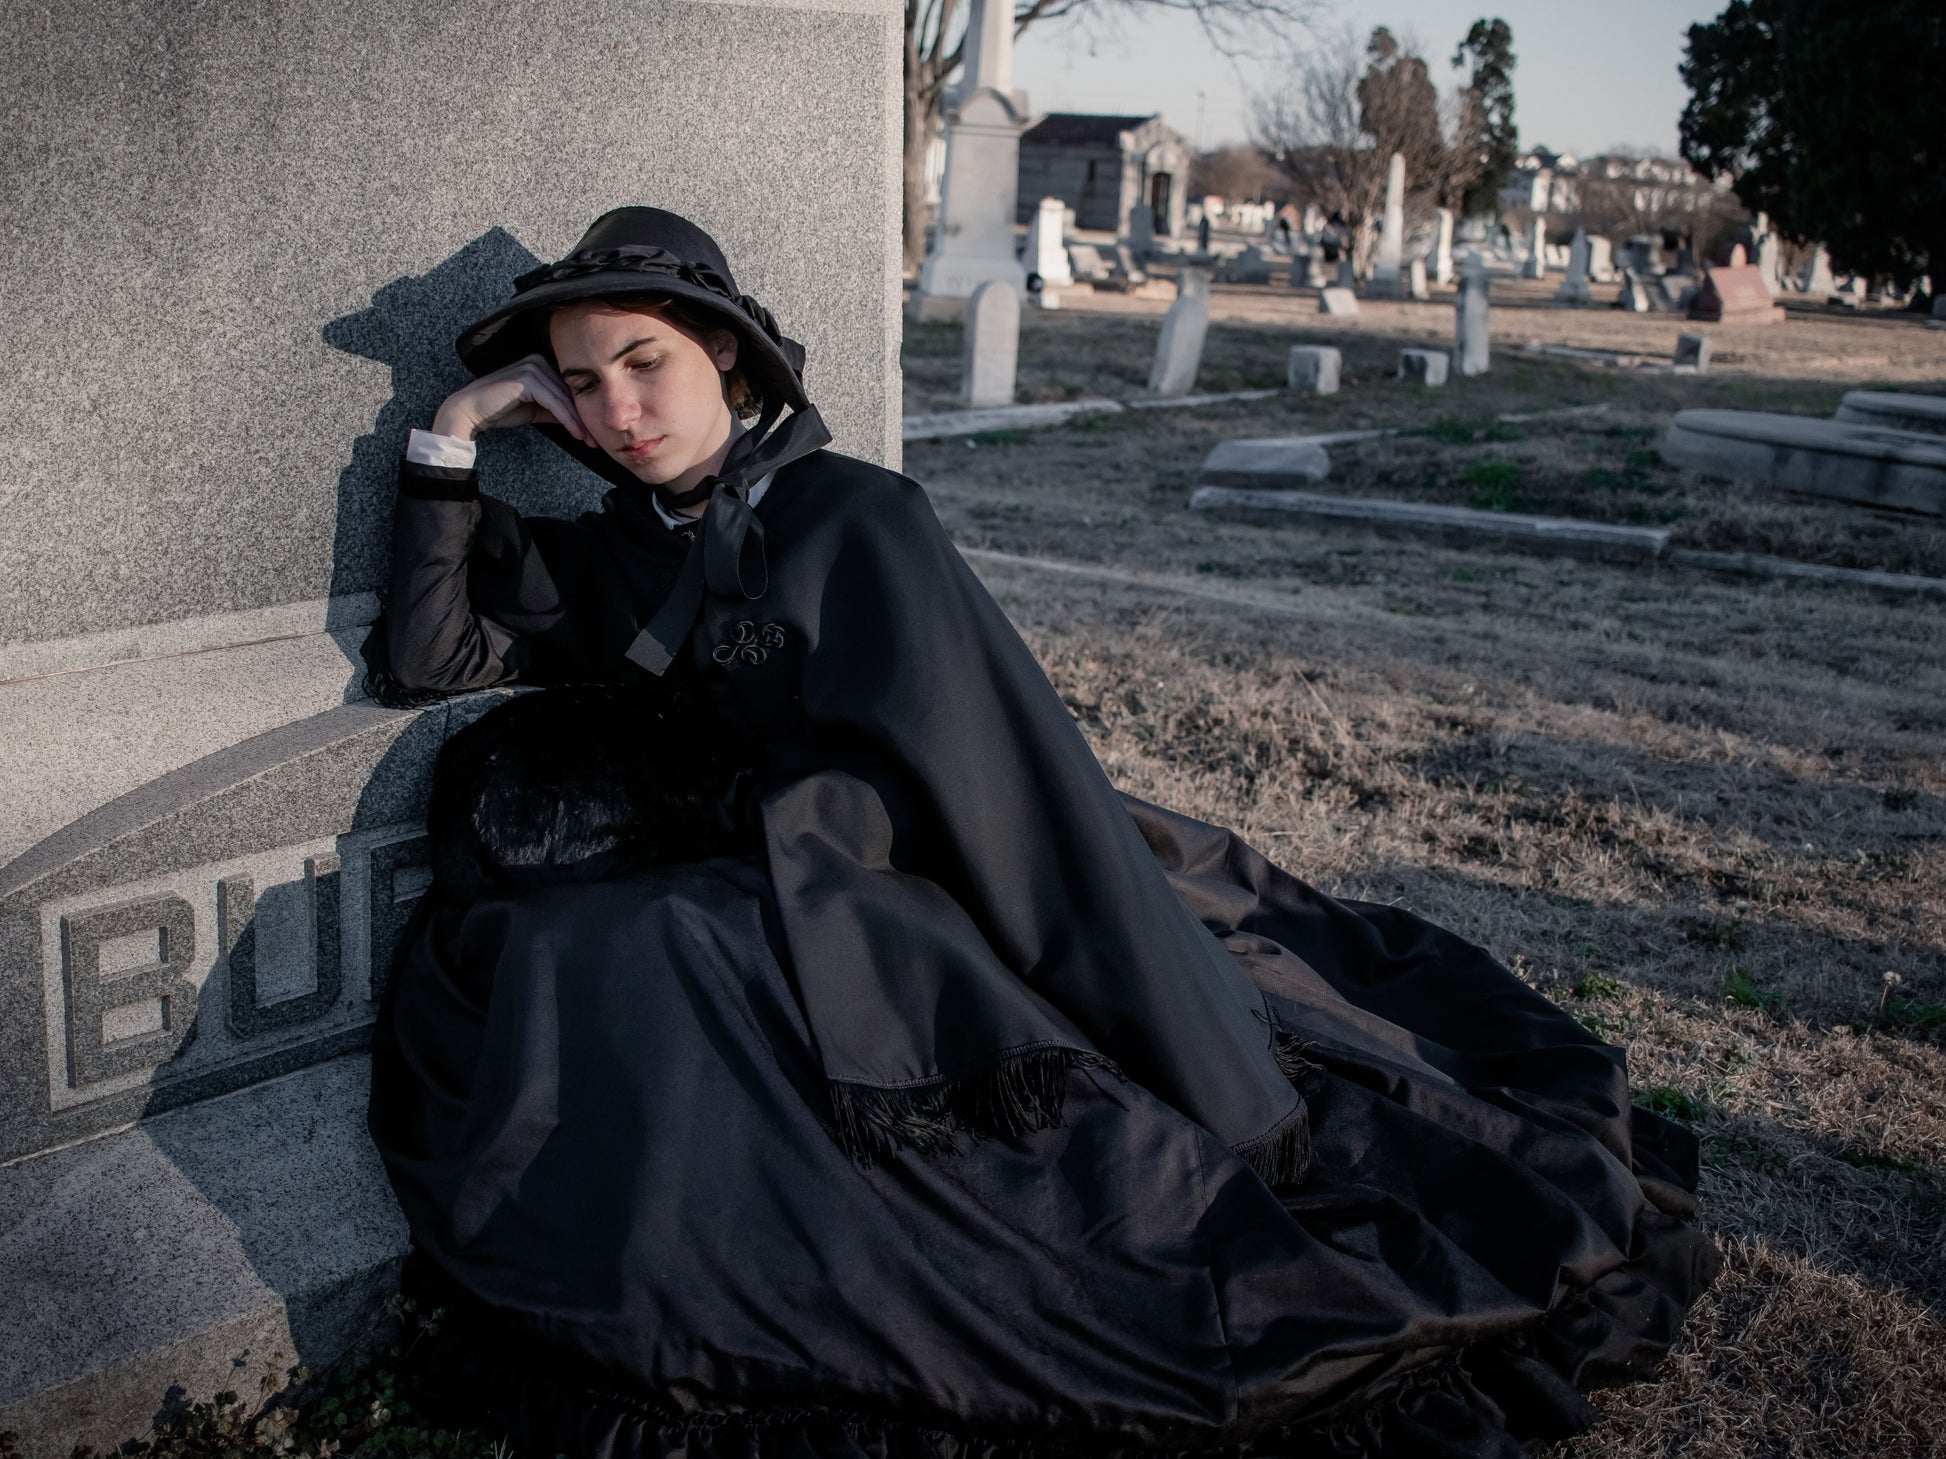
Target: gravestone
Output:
[
  {"x": 1275, "y": 463},
  {"x": 973, "y": 236},
  {"x": 1601, "y": 260},
  {"x": 1047, "y": 253},
  {"x": 1179, "y": 348},
  {"x": 1087, "y": 263},
  {"x": 1307, "y": 270},
  {"x": 1574, "y": 287},
  {"x": 1739, "y": 256},
  {"x": 1769, "y": 256},
  {"x": 1442, "y": 248},
  {"x": 1866, "y": 464},
  {"x": 1536, "y": 265},
  {"x": 990, "y": 350},
  {"x": 1693, "y": 353},
  {"x": 1634, "y": 296},
  {"x": 1472, "y": 346},
  {"x": 1416, "y": 280},
  {"x": 1314, "y": 369},
  {"x": 1423, "y": 367},
  {"x": 1338, "y": 300},
  {"x": 1126, "y": 266},
  {"x": 1347, "y": 273},
  {"x": 1734, "y": 295},
  {"x": 1386, "y": 281},
  {"x": 1894, "y": 410},
  {"x": 1141, "y": 230},
  {"x": 1939, "y": 305},
  {"x": 1193, "y": 283},
  {"x": 1247, "y": 267},
  {"x": 209, "y": 839},
  {"x": 1815, "y": 277}
]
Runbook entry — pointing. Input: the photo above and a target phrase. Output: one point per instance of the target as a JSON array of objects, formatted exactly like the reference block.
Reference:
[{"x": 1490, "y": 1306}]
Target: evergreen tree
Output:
[{"x": 1489, "y": 96}]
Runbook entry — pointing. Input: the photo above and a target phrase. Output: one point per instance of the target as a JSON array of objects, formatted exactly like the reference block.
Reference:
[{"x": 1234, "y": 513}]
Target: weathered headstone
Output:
[
  {"x": 1415, "y": 286},
  {"x": 1347, "y": 271},
  {"x": 973, "y": 238},
  {"x": 210, "y": 841},
  {"x": 1047, "y": 253},
  {"x": 1247, "y": 267},
  {"x": 1441, "y": 257},
  {"x": 1472, "y": 347},
  {"x": 1634, "y": 296},
  {"x": 990, "y": 352},
  {"x": 1815, "y": 277},
  {"x": 1315, "y": 369},
  {"x": 1272, "y": 463},
  {"x": 1866, "y": 464},
  {"x": 1192, "y": 283},
  {"x": 1939, "y": 305},
  {"x": 1141, "y": 230},
  {"x": 1601, "y": 260},
  {"x": 1179, "y": 348},
  {"x": 1338, "y": 300},
  {"x": 1734, "y": 295},
  {"x": 1424, "y": 367},
  {"x": 1693, "y": 353},
  {"x": 1386, "y": 281},
  {"x": 1574, "y": 287},
  {"x": 1536, "y": 265},
  {"x": 1739, "y": 256},
  {"x": 1087, "y": 263},
  {"x": 1894, "y": 410},
  {"x": 1307, "y": 270},
  {"x": 1127, "y": 266}
]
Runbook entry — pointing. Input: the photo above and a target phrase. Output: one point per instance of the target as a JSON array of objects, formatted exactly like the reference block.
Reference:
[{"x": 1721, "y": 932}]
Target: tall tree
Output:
[
  {"x": 1488, "y": 112},
  {"x": 935, "y": 42},
  {"x": 1829, "y": 115}
]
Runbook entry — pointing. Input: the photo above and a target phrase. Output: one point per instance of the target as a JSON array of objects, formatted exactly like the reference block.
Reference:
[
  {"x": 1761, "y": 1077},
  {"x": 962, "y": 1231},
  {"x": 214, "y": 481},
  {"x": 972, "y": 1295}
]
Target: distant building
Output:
[
  {"x": 1545, "y": 181},
  {"x": 1102, "y": 166}
]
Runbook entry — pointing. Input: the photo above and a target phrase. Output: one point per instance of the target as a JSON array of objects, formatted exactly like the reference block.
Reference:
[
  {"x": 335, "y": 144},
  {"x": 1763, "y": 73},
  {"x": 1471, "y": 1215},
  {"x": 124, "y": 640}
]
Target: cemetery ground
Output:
[{"x": 1705, "y": 814}]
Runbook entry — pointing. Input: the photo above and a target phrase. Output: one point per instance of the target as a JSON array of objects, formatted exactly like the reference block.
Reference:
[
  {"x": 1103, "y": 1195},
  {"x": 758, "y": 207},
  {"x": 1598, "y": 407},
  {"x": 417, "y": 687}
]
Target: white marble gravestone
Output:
[
  {"x": 973, "y": 236},
  {"x": 991, "y": 350},
  {"x": 1179, "y": 348},
  {"x": 1047, "y": 252},
  {"x": 1314, "y": 369},
  {"x": 209, "y": 838},
  {"x": 1536, "y": 264},
  {"x": 1387, "y": 281},
  {"x": 1472, "y": 347},
  {"x": 1574, "y": 286},
  {"x": 1440, "y": 261}
]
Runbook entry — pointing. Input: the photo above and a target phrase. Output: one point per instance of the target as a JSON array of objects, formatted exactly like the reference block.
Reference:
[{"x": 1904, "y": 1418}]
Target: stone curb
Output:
[
  {"x": 1054, "y": 413},
  {"x": 1418, "y": 519}
]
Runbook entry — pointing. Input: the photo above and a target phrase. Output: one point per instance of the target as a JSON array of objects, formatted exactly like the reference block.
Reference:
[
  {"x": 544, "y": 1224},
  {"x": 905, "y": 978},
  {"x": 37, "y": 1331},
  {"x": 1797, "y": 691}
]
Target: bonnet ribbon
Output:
[{"x": 727, "y": 556}]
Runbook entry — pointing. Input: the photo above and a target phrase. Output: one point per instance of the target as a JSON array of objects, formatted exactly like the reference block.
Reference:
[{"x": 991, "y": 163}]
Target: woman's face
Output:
[{"x": 647, "y": 389}]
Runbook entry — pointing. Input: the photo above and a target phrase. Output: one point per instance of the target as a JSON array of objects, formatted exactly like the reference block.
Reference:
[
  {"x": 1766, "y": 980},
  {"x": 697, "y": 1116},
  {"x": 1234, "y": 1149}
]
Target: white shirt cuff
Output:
[{"x": 427, "y": 448}]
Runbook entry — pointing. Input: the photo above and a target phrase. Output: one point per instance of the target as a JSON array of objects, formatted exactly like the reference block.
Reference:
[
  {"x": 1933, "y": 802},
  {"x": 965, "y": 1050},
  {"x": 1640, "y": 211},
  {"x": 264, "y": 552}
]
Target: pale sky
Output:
[{"x": 1588, "y": 75}]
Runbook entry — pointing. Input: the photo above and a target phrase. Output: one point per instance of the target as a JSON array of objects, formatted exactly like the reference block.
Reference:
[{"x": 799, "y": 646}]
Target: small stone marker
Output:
[
  {"x": 992, "y": 347},
  {"x": 1415, "y": 279},
  {"x": 1141, "y": 229},
  {"x": 1315, "y": 369},
  {"x": 1347, "y": 275},
  {"x": 1734, "y": 295},
  {"x": 1126, "y": 264},
  {"x": 1472, "y": 348},
  {"x": 1867, "y": 464},
  {"x": 1179, "y": 348},
  {"x": 1441, "y": 257},
  {"x": 1634, "y": 297},
  {"x": 1087, "y": 261},
  {"x": 1601, "y": 260},
  {"x": 1272, "y": 464},
  {"x": 1939, "y": 304},
  {"x": 1248, "y": 267},
  {"x": 1815, "y": 277},
  {"x": 1338, "y": 300},
  {"x": 1307, "y": 271},
  {"x": 1424, "y": 367},
  {"x": 1693, "y": 353},
  {"x": 1192, "y": 283}
]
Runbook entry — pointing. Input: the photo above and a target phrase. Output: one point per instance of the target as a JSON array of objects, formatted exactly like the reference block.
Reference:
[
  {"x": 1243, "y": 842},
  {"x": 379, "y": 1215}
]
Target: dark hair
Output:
[{"x": 743, "y": 400}]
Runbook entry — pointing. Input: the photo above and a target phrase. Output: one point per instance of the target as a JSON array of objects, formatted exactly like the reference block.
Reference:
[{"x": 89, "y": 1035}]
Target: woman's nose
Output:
[{"x": 619, "y": 410}]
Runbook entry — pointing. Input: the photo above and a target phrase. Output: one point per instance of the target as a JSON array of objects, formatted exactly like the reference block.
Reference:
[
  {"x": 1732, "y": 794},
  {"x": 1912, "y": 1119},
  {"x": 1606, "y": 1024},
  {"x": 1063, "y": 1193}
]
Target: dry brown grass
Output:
[{"x": 1706, "y": 816}]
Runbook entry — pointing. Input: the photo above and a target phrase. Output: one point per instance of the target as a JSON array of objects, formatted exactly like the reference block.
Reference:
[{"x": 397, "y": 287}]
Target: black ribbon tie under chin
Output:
[{"x": 727, "y": 557}]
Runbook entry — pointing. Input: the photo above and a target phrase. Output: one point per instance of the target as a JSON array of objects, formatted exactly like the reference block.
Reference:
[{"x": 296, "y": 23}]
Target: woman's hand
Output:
[{"x": 522, "y": 393}]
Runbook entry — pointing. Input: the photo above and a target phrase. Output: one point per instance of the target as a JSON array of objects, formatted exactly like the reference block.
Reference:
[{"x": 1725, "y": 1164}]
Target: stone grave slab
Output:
[
  {"x": 1272, "y": 463},
  {"x": 1424, "y": 367},
  {"x": 990, "y": 350},
  {"x": 1338, "y": 300},
  {"x": 1903, "y": 470},
  {"x": 1179, "y": 347},
  {"x": 1315, "y": 369},
  {"x": 1895, "y": 411},
  {"x": 1693, "y": 353},
  {"x": 1734, "y": 295},
  {"x": 1472, "y": 339}
]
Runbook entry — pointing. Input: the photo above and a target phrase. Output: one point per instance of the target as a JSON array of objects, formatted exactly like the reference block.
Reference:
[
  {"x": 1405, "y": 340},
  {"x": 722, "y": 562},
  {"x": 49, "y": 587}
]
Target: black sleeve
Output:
[{"x": 481, "y": 595}]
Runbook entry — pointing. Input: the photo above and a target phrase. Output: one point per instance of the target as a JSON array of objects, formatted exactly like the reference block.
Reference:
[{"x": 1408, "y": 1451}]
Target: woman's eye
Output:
[
  {"x": 647, "y": 363},
  {"x": 581, "y": 389}
]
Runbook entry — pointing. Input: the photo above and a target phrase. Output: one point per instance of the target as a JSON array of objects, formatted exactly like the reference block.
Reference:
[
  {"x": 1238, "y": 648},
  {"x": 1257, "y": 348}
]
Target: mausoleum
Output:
[{"x": 1102, "y": 167}]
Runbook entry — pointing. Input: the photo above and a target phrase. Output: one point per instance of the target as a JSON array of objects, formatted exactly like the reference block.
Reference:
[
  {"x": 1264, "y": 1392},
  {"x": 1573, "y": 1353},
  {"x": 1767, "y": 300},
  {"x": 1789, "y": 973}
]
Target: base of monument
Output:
[
  {"x": 932, "y": 308},
  {"x": 204, "y": 1249}
]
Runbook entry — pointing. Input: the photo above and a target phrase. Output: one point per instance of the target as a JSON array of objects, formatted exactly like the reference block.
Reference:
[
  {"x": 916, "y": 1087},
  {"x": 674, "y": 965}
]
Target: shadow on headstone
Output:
[{"x": 410, "y": 326}]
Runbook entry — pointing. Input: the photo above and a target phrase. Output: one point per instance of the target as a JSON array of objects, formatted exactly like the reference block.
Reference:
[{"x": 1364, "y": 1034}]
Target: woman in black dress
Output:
[{"x": 803, "y": 1048}]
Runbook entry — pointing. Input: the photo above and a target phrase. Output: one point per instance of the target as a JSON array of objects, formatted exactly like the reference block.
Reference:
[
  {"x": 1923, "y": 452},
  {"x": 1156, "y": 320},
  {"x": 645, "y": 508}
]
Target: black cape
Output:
[{"x": 722, "y": 1151}]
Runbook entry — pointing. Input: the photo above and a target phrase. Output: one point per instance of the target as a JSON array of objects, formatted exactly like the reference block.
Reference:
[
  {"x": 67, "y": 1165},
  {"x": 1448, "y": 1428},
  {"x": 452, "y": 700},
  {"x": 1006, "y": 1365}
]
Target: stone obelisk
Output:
[
  {"x": 1387, "y": 281},
  {"x": 974, "y": 238}
]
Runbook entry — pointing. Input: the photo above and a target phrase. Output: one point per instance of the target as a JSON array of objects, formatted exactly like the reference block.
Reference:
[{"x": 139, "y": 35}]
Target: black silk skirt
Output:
[{"x": 602, "y": 1111}]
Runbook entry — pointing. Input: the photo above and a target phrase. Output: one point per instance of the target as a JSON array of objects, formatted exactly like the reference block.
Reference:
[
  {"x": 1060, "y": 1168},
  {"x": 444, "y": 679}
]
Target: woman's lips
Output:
[{"x": 642, "y": 450}]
